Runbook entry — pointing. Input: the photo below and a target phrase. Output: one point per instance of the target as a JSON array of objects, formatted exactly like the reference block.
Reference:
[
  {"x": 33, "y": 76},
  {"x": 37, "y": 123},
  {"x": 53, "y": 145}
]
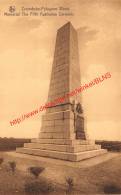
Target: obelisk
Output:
[
  {"x": 62, "y": 133},
  {"x": 62, "y": 120}
]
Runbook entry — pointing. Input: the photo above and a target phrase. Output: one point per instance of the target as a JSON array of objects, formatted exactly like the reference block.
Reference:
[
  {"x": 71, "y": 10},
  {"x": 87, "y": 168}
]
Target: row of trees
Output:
[{"x": 7, "y": 144}]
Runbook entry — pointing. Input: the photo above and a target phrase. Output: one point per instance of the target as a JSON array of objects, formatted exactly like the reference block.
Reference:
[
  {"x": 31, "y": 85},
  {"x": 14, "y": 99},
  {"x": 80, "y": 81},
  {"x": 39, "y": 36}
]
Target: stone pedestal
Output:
[{"x": 63, "y": 133}]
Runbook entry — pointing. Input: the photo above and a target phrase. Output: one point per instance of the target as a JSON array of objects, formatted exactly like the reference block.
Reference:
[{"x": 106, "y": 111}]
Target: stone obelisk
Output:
[
  {"x": 63, "y": 120},
  {"x": 62, "y": 133}
]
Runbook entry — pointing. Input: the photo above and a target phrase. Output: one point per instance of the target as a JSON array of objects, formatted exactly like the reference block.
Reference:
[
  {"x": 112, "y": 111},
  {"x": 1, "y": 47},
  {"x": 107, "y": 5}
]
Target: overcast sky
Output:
[{"x": 26, "y": 54}]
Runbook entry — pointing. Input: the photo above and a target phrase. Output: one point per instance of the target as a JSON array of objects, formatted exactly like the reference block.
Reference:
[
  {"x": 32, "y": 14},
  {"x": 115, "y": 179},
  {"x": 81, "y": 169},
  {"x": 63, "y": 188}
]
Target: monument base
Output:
[{"x": 64, "y": 149}]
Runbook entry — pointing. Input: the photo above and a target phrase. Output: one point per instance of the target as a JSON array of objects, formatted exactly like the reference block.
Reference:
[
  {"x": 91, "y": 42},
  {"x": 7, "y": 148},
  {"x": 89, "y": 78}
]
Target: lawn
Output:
[{"x": 104, "y": 178}]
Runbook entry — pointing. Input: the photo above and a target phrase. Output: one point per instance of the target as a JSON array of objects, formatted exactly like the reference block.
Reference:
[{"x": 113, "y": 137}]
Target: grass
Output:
[
  {"x": 103, "y": 178},
  {"x": 9, "y": 183},
  {"x": 100, "y": 177},
  {"x": 21, "y": 182},
  {"x": 93, "y": 180},
  {"x": 16, "y": 184}
]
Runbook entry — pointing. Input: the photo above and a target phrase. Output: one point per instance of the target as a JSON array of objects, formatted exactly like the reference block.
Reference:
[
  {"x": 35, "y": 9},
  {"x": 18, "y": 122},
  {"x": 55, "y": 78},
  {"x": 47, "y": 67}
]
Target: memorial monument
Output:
[{"x": 63, "y": 134}]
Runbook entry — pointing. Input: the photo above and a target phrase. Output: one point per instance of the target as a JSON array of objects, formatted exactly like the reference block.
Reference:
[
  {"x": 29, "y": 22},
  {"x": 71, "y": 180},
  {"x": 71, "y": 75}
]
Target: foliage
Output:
[
  {"x": 38, "y": 187},
  {"x": 112, "y": 189},
  {"x": 70, "y": 183},
  {"x": 12, "y": 165},
  {"x": 36, "y": 171},
  {"x": 1, "y": 160},
  {"x": 110, "y": 145},
  {"x": 7, "y": 144}
]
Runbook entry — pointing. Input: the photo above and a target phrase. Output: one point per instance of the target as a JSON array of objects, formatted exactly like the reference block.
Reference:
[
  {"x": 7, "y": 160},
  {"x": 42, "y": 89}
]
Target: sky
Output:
[{"x": 26, "y": 55}]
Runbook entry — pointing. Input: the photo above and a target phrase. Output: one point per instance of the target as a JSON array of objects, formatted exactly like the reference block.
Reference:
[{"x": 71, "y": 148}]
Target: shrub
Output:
[
  {"x": 112, "y": 189},
  {"x": 12, "y": 165},
  {"x": 38, "y": 187},
  {"x": 36, "y": 171},
  {"x": 70, "y": 183},
  {"x": 1, "y": 161}
]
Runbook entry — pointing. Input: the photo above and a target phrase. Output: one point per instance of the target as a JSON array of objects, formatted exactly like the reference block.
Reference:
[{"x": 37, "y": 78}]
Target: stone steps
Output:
[
  {"x": 62, "y": 155},
  {"x": 62, "y": 148}
]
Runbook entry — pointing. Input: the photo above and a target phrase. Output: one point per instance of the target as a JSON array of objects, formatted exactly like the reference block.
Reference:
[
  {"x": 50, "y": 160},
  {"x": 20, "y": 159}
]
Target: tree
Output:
[{"x": 36, "y": 171}]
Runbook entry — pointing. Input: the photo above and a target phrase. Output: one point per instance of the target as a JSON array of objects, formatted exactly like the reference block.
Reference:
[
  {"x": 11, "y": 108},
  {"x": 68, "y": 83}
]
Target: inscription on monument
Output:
[{"x": 79, "y": 127}]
